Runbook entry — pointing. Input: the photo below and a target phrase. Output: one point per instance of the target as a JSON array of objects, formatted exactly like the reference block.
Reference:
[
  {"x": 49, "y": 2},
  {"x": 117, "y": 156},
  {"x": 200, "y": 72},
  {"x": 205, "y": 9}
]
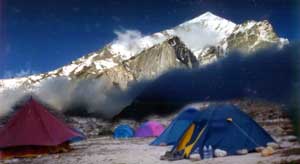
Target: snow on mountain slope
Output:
[
  {"x": 11, "y": 83},
  {"x": 207, "y": 29},
  {"x": 131, "y": 56}
]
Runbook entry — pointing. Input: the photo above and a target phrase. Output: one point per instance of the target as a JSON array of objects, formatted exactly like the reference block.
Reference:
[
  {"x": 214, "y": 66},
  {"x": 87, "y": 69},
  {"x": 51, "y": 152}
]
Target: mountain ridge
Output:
[{"x": 203, "y": 39}]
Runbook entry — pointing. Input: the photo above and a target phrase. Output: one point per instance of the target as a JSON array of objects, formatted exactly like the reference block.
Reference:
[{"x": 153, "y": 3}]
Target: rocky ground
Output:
[
  {"x": 137, "y": 151},
  {"x": 101, "y": 148},
  {"x": 269, "y": 115}
]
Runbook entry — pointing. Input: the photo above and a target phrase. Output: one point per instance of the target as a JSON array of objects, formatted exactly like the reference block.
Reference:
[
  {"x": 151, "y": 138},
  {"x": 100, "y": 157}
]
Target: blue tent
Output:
[
  {"x": 78, "y": 138},
  {"x": 123, "y": 131},
  {"x": 223, "y": 127},
  {"x": 174, "y": 131}
]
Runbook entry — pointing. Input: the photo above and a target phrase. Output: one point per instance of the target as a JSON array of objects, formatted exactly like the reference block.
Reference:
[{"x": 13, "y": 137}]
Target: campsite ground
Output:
[
  {"x": 99, "y": 149},
  {"x": 137, "y": 151}
]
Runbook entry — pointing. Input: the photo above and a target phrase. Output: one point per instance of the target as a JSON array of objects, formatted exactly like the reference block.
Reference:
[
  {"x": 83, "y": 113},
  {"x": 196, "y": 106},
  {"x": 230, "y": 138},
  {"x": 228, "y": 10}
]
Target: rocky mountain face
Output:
[
  {"x": 191, "y": 44},
  {"x": 248, "y": 37}
]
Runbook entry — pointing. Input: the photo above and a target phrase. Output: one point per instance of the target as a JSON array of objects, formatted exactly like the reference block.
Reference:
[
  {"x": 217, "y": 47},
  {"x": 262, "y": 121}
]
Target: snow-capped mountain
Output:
[{"x": 193, "y": 43}]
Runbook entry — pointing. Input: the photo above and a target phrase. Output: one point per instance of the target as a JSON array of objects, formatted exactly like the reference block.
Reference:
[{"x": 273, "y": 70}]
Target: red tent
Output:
[{"x": 33, "y": 125}]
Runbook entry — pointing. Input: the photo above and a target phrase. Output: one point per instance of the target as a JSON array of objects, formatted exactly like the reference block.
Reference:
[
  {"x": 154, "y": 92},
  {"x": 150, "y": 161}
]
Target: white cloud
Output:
[
  {"x": 131, "y": 42},
  {"x": 9, "y": 98},
  {"x": 197, "y": 38},
  {"x": 127, "y": 41},
  {"x": 96, "y": 96}
]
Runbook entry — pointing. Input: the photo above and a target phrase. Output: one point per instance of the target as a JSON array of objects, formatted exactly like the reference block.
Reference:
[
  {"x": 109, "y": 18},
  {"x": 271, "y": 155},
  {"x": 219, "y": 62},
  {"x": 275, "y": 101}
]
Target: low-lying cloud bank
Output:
[
  {"x": 9, "y": 98},
  {"x": 269, "y": 74},
  {"x": 97, "y": 97}
]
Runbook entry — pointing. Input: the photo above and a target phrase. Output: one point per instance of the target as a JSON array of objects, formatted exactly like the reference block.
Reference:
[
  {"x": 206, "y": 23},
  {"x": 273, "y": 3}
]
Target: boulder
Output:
[
  {"x": 267, "y": 151},
  {"x": 273, "y": 145},
  {"x": 259, "y": 149},
  {"x": 242, "y": 152},
  {"x": 195, "y": 157},
  {"x": 220, "y": 153}
]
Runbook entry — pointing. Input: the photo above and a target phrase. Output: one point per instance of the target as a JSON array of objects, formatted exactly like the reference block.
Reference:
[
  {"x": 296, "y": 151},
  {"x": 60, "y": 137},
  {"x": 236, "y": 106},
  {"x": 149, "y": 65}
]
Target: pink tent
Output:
[
  {"x": 149, "y": 129},
  {"x": 33, "y": 125}
]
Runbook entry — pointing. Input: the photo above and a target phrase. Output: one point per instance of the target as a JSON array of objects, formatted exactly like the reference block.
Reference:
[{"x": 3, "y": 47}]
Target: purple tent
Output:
[{"x": 149, "y": 129}]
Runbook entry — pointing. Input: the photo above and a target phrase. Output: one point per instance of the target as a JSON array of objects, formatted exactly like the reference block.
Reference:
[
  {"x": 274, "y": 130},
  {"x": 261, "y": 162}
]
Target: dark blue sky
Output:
[{"x": 41, "y": 35}]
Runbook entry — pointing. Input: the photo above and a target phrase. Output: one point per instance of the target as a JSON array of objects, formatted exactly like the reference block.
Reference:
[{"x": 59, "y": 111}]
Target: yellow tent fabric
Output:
[
  {"x": 188, "y": 149},
  {"x": 183, "y": 144},
  {"x": 186, "y": 138}
]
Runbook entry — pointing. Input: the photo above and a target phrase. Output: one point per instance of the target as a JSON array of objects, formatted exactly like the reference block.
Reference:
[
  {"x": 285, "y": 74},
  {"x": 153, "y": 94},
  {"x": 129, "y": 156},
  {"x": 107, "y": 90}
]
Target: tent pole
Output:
[{"x": 245, "y": 133}]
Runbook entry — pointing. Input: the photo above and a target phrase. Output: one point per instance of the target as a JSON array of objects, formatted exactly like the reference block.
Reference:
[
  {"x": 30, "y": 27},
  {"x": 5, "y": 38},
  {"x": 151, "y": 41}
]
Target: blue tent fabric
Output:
[
  {"x": 222, "y": 133},
  {"x": 77, "y": 138},
  {"x": 174, "y": 131},
  {"x": 123, "y": 131}
]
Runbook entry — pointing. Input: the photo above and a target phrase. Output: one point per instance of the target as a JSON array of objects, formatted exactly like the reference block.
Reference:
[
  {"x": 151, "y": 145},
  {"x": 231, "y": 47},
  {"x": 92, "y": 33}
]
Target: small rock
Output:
[
  {"x": 220, "y": 153},
  {"x": 290, "y": 138},
  {"x": 289, "y": 131},
  {"x": 259, "y": 149},
  {"x": 277, "y": 130},
  {"x": 242, "y": 152},
  {"x": 286, "y": 144},
  {"x": 273, "y": 145},
  {"x": 267, "y": 152},
  {"x": 195, "y": 157},
  {"x": 82, "y": 121},
  {"x": 163, "y": 144},
  {"x": 57, "y": 156}
]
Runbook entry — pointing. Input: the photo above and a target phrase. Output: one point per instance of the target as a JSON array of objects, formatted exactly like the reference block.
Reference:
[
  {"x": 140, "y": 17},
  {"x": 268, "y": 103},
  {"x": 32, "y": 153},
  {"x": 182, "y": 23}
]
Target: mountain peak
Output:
[
  {"x": 132, "y": 55},
  {"x": 207, "y": 16},
  {"x": 190, "y": 32},
  {"x": 208, "y": 13}
]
